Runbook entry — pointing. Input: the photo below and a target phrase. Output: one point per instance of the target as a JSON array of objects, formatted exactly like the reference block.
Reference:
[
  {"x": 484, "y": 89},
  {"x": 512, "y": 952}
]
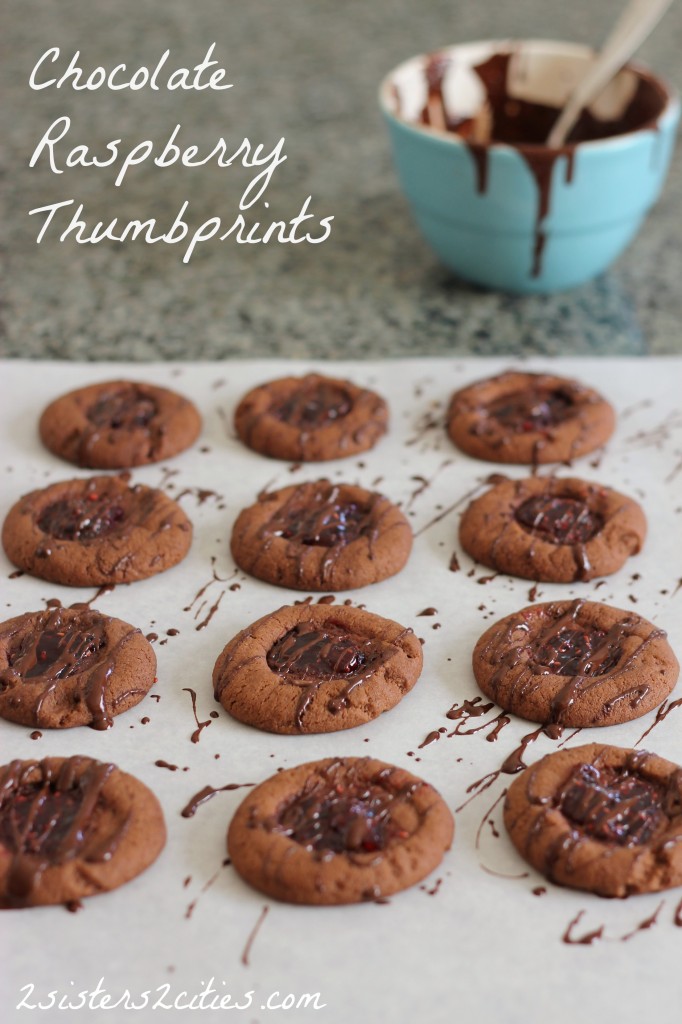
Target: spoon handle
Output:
[{"x": 635, "y": 23}]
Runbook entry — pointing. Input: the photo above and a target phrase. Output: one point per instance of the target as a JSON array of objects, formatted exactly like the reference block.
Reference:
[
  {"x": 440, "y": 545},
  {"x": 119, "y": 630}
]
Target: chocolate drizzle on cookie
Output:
[
  {"x": 55, "y": 646},
  {"x": 571, "y": 652},
  {"x": 47, "y": 814},
  {"x": 617, "y": 799},
  {"x": 311, "y": 418},
  {"x": 559, "y": 520},
  {"x": 327, "y": 522},
  {"x": 118, "y": 424},
  {"x": 310, "y": 655},
  {"x": 315, "y": 668},
  {"x": 553, "y": 529},
  {"x": 529, "y": 418},
  {"x": 536, "y": 408},
  {"x": 318, "y": 523},
  {"x": 600, "y": 818},
  {"x": 83, "y": 518},
  {"x": 312, "y": 404},
  {"x": 339, "y": 831},
  {"x": 96, "y": 532},
  {"x": 342, "y": 809},
  {"x": 614, "y": 805},
  {"x": 529, "y": 654},
  {"x": 125, "y": 409}
]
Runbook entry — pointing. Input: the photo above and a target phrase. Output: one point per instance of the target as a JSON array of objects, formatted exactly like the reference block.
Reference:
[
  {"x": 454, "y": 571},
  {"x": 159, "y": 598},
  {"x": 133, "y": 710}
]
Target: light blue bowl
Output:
[{"x": 494, "y": 237}]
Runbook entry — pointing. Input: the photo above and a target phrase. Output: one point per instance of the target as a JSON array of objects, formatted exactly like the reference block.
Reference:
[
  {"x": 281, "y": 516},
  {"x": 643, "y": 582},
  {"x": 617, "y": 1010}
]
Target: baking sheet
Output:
[{"x": 474, "y": 942}]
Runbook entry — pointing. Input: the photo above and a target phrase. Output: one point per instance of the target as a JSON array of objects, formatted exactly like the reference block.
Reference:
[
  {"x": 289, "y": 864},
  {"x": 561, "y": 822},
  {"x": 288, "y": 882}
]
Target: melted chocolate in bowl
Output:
[
  {"x": 559, "y": 520},
  {"x": 82, "y": 518},
  {"x": 344, "y": 812},
  {"x": 613, "y": 806},
  {"x": 327, "y": 524},
  {"x": 126, "y": 409},
  {"x": 58, "y": 652},
  {"x": 329, "y": 653},
  {"x": 534, "y": 409},
  {"x": 313, "y": 405},
  {"x": 579, "y": 652},
  {"x": 522, "y": 122},
  {"x": 505, "y": 116}
]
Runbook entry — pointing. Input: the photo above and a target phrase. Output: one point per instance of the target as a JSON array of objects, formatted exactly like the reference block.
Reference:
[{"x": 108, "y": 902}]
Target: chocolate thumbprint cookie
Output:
[
  {"x": 600, "y": 818},
  {"x": 96, "y": 531},
  {"x": 321, "y": 536},
  {"x": 529, "y": 418},
  {"x": 575, "y": 663},
  {"x": 311, "y": 418},
  {"x": 316, "y": 668},
  {"x": 552, "y": 529},
  {"x": 338, "y": 831}
]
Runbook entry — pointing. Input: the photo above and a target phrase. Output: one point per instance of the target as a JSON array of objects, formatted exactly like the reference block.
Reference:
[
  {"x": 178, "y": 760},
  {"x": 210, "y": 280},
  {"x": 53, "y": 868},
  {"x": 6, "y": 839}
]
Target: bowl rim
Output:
[{"x": 670, "y": 111}]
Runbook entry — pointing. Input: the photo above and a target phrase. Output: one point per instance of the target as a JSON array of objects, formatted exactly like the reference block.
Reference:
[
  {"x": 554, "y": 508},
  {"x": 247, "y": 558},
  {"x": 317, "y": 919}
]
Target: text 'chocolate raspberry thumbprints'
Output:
[
  {"x": 321, "y": 536},
  {"x": 339, "y": 831}
]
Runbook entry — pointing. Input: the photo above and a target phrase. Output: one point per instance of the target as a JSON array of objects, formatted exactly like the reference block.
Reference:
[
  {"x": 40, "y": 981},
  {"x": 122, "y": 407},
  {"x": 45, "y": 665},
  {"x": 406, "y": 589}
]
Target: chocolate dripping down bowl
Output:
[{"x": 498, "y": 206}]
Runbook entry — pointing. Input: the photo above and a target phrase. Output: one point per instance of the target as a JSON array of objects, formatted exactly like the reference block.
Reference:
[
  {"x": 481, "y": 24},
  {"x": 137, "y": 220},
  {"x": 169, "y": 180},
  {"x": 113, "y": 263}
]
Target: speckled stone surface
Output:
[{"x": 309, "y": 72}]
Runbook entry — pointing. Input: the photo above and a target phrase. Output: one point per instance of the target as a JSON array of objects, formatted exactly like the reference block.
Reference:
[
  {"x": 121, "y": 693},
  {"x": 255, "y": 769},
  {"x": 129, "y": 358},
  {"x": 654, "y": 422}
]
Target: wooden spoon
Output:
[{"x": 638, "y": 19}]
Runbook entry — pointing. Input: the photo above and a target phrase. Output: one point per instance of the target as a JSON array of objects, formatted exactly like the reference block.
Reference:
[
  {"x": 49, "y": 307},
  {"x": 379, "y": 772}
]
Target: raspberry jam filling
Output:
[
  {"x": 327, "y": 525},
  {"x": 329, "y": 653},
  {"x": 343, "y": 812},
  {"x": 613, "y": 805},
  {"x": 313, "y": 406},
  {"x": 579, "y": 652},
  {"x": 559, "y": 520},
  {"x": 126, "y": 409},
  {"x": 82, "y": 518},
  {"x": 36, "y": 819},
  {"x": 534, "y": 409}
]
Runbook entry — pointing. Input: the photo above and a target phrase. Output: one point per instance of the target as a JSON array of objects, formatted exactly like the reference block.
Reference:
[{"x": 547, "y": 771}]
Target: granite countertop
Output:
[{"x": 308, "y": 72}]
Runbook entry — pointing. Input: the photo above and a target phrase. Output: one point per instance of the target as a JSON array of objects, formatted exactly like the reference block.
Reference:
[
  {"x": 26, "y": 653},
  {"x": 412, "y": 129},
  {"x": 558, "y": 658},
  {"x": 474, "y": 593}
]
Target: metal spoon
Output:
[{"x": 638, "y": 19}]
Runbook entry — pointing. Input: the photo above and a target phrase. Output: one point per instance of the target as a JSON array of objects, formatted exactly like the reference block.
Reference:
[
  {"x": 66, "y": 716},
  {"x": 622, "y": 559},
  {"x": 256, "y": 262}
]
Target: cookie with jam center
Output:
[
  {"x": 321, "y": 536},
  {"x": 600, "y": 818},
  {"x": 575, "y": 663},
  {"x": 64, "y": 667},
  {"x": 95, "y": 531},
  {"x": 310, "y": 419},
  {"x": 530, "y": 418},
  {"x": 552, "y": 529},
  {"x": 119, "y": 424},
  {"x": 316, "y": 668},
  {"x": 73, "y": 827},
  {"x": 342, "y": 830}
]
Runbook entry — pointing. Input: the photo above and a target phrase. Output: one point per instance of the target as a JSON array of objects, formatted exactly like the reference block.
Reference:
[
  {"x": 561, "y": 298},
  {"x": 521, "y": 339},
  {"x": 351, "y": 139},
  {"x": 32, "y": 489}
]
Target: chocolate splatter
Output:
[{"x": 254, "y": 932}]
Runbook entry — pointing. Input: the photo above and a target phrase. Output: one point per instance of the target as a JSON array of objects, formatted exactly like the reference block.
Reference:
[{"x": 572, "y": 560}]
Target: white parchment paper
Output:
[{"x": 474, "y": 943}]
